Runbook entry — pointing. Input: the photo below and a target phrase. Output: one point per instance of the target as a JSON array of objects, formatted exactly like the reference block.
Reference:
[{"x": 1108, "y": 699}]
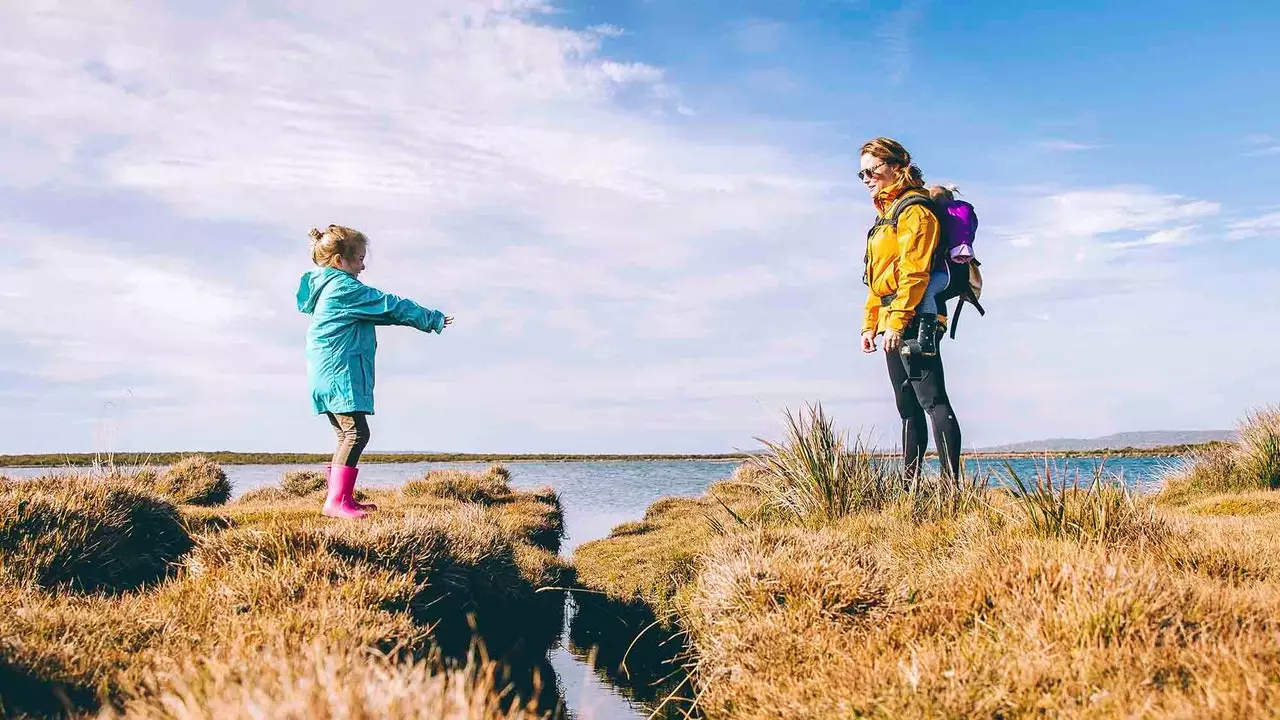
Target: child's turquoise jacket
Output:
[{"x": 341, "y": 341}]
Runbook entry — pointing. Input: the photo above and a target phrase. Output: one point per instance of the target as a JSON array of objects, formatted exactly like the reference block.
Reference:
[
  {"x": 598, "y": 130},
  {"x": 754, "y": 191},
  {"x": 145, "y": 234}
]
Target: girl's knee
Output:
[{"x": 359, "y": 433}]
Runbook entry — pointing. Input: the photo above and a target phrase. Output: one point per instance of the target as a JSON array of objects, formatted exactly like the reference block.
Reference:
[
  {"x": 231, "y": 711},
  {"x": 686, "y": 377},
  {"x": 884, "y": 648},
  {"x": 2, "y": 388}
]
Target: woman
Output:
[{"x": 901, "y": 257}]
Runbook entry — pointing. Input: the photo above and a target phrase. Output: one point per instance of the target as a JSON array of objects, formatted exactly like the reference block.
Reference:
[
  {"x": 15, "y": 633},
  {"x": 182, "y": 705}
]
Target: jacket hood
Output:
[{"x": 312, "y": 284}]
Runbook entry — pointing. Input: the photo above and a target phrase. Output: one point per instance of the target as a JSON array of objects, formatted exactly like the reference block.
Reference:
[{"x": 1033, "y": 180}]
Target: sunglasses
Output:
[{"x": 862, "y": 174}]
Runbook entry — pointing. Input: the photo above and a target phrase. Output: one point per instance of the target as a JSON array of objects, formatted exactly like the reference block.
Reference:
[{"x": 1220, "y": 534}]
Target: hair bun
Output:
[{"x": 315, "y": 234}]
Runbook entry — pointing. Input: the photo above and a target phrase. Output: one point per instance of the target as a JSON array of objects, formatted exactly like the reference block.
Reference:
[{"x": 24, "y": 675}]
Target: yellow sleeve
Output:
[
  {"x": 872, "y": 315},
  {"x": 917, "y": 240}
]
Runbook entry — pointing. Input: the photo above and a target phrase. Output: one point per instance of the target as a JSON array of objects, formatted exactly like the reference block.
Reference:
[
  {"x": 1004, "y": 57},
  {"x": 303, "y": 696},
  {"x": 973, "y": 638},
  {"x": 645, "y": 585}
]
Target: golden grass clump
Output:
[
  {"x": 1102, "y": 508},
  {"x": 1042, "y": 598},
  {"x": 323, "y": 683},
  {"x": 535, "y": 516},
  {"x": 268, "y": 578},
  {"x": 1252, "y": 463},
  {"x": 266, "y": 495},
  {"x": 86, "y": 534},
  {"x": 489, "y": 487},
  {"x": 301, "y": 483},
  {"x": 815, "y": 477},
  {"x": 877, "y": 618},
  {"x": 195, "y": 480}
]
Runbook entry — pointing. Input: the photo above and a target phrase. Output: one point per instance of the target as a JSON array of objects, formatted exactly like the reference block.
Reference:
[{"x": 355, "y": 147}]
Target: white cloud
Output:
[
  {"x": 1261, "y": 144},
  {"x": 607, "y": 30},
  {"x": 95, "y": 312},
  {"x": 1171, "y": 236},
  {"x": 1099, "y": 212},
  {"x": 626, "y": 275},
  {"x": 1050, "y": 242},
  {"x": 496, "y": 162},
  {"x": 1262, "y": 226},
  {"x": 623, "y": 73}
]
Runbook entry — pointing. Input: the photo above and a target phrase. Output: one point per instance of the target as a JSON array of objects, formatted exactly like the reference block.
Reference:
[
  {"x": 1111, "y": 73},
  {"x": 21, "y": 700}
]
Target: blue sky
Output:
[{"x": 643, "y": 215}]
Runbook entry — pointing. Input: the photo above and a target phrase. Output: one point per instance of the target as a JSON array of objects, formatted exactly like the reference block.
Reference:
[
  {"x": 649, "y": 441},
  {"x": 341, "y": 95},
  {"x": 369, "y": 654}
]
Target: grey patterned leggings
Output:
[{"x": 352, "y": 430}]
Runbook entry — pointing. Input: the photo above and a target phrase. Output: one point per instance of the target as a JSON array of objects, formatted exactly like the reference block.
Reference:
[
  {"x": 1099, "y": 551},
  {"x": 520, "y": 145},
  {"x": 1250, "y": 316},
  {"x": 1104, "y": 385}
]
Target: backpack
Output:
[{"x": 957, "y": 226}]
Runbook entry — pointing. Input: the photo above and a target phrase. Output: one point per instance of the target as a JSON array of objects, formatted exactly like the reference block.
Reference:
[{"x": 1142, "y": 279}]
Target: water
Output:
[{"x": 600, "y": 495}]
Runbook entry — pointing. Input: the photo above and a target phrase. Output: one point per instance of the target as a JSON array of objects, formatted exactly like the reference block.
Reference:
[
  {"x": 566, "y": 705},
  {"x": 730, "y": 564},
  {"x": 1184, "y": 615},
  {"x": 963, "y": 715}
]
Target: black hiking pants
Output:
[{"x": 917, "y": 399}]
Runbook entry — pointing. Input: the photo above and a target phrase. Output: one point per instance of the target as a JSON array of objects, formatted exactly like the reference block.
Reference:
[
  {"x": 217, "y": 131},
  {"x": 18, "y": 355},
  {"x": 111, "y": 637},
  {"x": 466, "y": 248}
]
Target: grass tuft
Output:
[
  {"x": 1253, "y": 463},
  {"x": 324, "y": 683},
  {"x": 219, "y": 635},
  {"x": 301, "y": 483},
  {"x": 195, "y": 480},
  {"x": 816, "y": 477},
  {"x": 459, "y": 485},
  {"x": 1103, "y": 509},
  {"x": 813, "y": 476},
  {"x": 87, "y": 535}
]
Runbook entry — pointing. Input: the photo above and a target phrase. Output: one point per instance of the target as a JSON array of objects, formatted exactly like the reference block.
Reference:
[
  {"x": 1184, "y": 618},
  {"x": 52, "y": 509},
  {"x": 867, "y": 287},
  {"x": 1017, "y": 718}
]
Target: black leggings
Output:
[
  {"x": 915, "y": 399},
  {"x": 352, "y": 430}
]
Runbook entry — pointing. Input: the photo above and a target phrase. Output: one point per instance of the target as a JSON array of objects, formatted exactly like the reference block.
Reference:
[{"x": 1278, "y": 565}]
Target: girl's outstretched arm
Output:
[{"x": 366, "y": 303}]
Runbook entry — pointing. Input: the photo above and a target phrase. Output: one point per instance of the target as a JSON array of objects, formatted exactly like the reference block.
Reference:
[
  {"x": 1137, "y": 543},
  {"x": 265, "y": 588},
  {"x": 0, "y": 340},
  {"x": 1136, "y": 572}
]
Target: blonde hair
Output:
[
  {"x": 891, "y": 152},
  {"x": 941, "y": 193},
  {"x": 335, "y": 241}
]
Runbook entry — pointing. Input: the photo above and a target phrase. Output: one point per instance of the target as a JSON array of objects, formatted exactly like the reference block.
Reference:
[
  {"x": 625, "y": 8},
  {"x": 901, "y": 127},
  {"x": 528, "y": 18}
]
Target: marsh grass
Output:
[
  {"x": 1252, "y": 463},
  {"x": 817, "y": 477},
  {"x": 219, "y": 625},
  {"x": 301, "y": 483},
  {"x": 814, "y": 476},
  {"x": 1102, "y": 508},
  {"x": 195, "y": 480},
  {"x": 1259, "y": 443},
  {"x": 323, "y": 683},
  {"x": 71, "y": 533},
  {"x": 490, "y": 487},
  {"x": 1042, "y": 596}
]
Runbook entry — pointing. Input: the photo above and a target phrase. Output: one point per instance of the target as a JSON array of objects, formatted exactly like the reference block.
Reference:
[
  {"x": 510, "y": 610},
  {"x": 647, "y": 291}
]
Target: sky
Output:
[{"x": 643, "y": 214}]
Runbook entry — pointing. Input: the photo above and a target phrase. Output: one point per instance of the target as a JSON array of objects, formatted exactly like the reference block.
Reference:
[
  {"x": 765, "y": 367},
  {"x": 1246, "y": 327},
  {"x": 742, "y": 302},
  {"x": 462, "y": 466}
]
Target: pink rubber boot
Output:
[
  {"x": 342, "y": 480},
  {"x": 328, "y": 470}
]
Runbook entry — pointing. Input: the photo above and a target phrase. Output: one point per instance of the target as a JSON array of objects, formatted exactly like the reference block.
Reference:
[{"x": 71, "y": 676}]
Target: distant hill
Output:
[{"x": 1144, "y": 439}]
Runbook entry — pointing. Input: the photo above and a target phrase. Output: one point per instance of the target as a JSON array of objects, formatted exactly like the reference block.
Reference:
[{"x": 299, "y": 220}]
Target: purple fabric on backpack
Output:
[{"x": 961, "y": 224}]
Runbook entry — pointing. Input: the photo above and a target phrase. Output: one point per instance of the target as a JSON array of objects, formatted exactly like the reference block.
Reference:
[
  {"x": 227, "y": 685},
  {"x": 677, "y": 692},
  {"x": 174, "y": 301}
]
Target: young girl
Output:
[{"x": 340, "y": 349}]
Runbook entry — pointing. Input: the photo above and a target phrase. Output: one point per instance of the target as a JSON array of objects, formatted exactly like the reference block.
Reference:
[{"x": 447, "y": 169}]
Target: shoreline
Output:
[{"x": 60, "y": 460}]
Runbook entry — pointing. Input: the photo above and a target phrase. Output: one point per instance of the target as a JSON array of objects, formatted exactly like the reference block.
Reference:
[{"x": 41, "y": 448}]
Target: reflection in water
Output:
[{"x": 638, "y": 658}]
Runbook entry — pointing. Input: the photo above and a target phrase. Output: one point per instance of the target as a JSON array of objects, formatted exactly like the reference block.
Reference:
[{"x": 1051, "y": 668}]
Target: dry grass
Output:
[
  {"x": 267, "y": 580},
  {"x": 324, "y": 684},
  {"x": 1102, "y": 508},
  {"x": 816, "y": 477},
  {"x": 1253, "y": 463},
  {"x": 857, "y": 621},
  {"x": 975, "y": 616},
  {"x": 1047, "y": 599},
  {"x": 489, "y": 487},
  {"x": 195, "y": 480},
  {"x": 82, "y": 534},
  {"x": 302, "y": 483}
]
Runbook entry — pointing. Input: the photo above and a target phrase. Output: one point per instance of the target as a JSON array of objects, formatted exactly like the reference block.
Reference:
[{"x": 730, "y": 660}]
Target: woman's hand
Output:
[
  {"x": 892, "y": 341},
  {"x": 869, "y": 341},
  {"x": 448, "y": 321}
]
